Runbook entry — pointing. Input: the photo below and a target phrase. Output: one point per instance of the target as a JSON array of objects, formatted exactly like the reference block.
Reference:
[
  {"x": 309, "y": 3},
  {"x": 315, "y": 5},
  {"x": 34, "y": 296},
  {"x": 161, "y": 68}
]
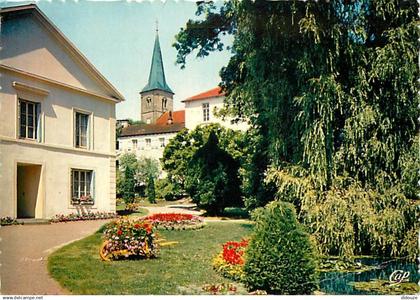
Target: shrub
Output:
[
  {"x": 127, "y": 237},
  {"x": 279, "y": 258},
  {"x": 168, "y": 190},
  {"x": 174, "y": 221},
  {"x": 151, "y": 193},
  {"x": 229, "y": 263},
  {"x": 132, "y": 207},
  {"x": 128, "y": 185}
]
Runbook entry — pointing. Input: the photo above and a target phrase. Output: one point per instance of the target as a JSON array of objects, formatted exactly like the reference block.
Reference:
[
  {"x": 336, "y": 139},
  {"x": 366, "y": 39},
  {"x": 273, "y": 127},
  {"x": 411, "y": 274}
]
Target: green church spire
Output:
[{"x": 157, "y": 79}]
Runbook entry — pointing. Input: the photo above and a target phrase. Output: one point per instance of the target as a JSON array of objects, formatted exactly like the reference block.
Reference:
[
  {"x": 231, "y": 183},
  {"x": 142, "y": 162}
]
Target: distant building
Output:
[
  {"x": 161, "y": 123},
  {"x": 57, "y": 129},
  {"x": 201, "y": 108},
  {"x": 149, "y": 140}
]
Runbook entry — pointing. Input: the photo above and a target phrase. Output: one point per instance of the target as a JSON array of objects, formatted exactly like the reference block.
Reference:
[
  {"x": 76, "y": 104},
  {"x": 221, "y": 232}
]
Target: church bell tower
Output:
[{"x": 156, "y": 96}]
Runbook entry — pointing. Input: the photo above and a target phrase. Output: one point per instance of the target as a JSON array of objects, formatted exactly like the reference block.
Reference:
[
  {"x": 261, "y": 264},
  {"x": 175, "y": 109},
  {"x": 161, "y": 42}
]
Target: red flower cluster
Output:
[
  {"x": 233, "y": 252},
  {"x": 147, "y": 226},
  {"x": 169, "y": 217}
]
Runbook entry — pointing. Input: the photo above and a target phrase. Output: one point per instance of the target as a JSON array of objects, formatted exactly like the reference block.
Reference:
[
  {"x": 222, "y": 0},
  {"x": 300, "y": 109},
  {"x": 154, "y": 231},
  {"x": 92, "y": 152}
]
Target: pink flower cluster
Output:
[
  {"x": 175, "y": 220},
  {"x": 83, "y": 216}
]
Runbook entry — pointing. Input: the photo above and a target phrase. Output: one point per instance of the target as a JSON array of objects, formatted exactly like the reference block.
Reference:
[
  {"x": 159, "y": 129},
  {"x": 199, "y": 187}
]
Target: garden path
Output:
[{"x": 24, "y": 251}]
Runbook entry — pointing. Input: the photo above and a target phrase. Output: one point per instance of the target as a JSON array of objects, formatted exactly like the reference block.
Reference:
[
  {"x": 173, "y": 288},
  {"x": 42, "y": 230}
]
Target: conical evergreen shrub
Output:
[{"x": 280, "y": 258}]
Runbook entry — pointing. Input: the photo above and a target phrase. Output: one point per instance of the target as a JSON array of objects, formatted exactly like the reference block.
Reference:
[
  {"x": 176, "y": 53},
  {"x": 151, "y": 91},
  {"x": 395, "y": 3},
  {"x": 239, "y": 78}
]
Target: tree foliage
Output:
[
  {"x": 212, "y": 177},
  {"x": 330, "y": 90},
  {"x": 180, "y": 149},
  {"x": 134, "y": 172},
  {"x": 147, "y": 168}
]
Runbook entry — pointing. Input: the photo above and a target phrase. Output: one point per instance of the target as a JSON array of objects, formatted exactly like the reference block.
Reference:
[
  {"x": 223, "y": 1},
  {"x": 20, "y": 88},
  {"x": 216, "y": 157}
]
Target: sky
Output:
[{"x": 118, "y": 37}]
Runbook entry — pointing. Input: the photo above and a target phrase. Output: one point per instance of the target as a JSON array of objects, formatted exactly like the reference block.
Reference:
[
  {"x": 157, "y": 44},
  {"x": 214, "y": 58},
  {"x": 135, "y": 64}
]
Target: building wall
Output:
[
  {"x": 155, "y": 151},
  {"x": 194, "y": 114},
  {"x": 28, "y": 45},
  {"x": 155, "y": 110},
  {"x": 54, "y": 151}
]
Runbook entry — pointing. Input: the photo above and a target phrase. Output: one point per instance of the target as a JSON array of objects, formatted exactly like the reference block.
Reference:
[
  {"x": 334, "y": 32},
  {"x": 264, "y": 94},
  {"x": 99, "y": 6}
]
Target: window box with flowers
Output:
[{"x": 82, "y": 187}]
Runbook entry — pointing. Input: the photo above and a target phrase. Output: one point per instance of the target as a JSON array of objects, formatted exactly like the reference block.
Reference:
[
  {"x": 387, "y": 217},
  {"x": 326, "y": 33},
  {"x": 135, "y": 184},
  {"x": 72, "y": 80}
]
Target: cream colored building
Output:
[
  {"x": 57, "y": 128},
  {"x": 149, "y": 140},
  {"x": 201, "y": 109}
]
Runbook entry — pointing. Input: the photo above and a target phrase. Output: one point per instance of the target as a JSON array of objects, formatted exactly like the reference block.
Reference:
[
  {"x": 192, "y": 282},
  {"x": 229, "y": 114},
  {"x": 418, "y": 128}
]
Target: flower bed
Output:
[
  {"x": 173, "y": 221},
  {"x": 4, "y": 221},
  {"x": 127, "y": 237},
  {"x": 217, "y": 289},
  {"x": 132, "y": 207},
  {"x": 229, "y": 263},
  {"x": 84, "y": 216}
]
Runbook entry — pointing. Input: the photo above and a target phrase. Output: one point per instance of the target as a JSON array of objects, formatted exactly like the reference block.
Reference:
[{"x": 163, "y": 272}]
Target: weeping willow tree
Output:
[{"x": 330, "y": 90}]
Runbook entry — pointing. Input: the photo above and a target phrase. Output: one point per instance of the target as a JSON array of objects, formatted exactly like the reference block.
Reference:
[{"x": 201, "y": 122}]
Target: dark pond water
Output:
[{"x": 336, "y": 283}]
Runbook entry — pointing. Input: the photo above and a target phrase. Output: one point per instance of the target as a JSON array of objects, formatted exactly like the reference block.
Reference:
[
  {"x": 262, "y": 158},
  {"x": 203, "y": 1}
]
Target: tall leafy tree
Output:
[
  {"x": 330, "y": 89},
  {"x": 212, "y": 177}
]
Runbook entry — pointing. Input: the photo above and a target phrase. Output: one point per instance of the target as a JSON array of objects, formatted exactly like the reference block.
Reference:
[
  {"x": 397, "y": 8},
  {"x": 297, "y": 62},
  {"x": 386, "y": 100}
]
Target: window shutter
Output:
[
  {"x": 92, "y": 185},
  {"x": 38, "y": 123},
  {"x": 18, "y": 118},
  {"x": 74, "y": 129},
  {"x": 71, "y": 186},
  {"x": 88, "y": 141}
]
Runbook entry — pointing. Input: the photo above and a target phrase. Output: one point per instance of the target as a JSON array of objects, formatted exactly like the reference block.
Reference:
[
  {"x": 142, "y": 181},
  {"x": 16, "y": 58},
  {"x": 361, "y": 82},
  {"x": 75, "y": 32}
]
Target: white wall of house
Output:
[
  {"x": 139, "y": 146},
  {"x": 194, "y": 114},
  {"x": 36, "y": 67}
]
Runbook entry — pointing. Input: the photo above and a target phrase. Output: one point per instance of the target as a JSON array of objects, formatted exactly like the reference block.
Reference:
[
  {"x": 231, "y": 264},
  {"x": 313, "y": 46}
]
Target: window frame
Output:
[
  {"x": 135, "y": 143},
  {"x": 162, "y": 142},
  {"x": 206, "y": 111},
  {"x": 89, "y": 125},
  {"x": 148, "y": 143},
  {"x": 148, "y": 102},
  {"x": 88, "y": 186},
  {"x": 36, "y": 120}
]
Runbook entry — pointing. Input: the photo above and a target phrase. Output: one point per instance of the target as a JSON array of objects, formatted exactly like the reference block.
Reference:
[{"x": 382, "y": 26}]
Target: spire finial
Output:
[{"x": 157, "y": 26}]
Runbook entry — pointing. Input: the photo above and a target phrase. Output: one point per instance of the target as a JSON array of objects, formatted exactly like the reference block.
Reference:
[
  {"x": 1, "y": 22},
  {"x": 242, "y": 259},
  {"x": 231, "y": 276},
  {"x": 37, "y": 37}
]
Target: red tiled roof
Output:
[
  {"x": 216, "y": 92},
  {"x": 146, "y": 129},
  {"x": 177, "y": 117}
]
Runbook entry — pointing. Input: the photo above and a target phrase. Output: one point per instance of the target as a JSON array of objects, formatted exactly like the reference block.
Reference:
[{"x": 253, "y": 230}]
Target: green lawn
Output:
[
  {"x": 139, "y": 213},
  {"x": 79, "y": 269}
]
